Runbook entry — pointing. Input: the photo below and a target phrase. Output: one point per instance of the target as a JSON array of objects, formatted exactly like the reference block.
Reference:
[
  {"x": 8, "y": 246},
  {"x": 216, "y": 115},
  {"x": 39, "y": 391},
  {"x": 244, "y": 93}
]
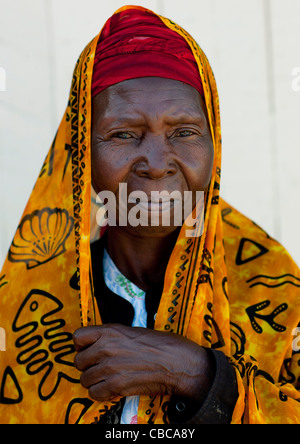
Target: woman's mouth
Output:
[{"x": 154, "y": 204}]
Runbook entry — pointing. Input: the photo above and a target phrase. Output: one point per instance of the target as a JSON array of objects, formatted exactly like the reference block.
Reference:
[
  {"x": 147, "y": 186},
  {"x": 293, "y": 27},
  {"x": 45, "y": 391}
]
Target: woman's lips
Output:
[{"x": 156, "y": 205}]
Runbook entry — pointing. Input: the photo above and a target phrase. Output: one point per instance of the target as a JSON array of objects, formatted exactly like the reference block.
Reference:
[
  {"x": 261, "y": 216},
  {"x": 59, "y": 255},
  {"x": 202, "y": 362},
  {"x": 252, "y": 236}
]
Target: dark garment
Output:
[{"x": 220, "y": 402}]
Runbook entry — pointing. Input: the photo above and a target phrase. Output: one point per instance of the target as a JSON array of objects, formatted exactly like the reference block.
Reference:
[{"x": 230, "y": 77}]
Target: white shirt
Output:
[{"x": 121, "y": 286}]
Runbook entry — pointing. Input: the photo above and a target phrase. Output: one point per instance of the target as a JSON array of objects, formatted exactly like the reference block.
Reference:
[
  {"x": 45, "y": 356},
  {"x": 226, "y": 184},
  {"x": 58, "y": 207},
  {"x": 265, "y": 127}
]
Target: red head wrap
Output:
[{"x": 136, "y": 43}]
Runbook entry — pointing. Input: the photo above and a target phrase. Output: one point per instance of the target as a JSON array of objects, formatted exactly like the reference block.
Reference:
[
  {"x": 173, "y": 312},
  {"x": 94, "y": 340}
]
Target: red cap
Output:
[{"x": 136, "y": 43}]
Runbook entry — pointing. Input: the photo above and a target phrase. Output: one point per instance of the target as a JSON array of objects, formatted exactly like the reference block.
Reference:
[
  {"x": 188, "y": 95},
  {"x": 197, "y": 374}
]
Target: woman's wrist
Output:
[
  {"x": 196, "y": 381},
  {"x": 219, "y": 404}
]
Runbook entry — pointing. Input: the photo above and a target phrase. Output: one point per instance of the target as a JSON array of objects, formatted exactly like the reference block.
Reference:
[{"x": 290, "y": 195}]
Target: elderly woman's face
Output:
[{"x": 153, "y": 135}]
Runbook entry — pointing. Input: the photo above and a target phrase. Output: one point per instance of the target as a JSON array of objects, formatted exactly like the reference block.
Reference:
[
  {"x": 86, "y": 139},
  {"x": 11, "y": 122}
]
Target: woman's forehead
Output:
[{"x": 151, "y": 94}]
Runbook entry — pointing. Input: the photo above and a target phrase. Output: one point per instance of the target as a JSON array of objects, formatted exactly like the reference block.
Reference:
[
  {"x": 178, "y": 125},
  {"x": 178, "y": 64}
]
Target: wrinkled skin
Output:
[
  {"x": 122, "y": 361},
  {"x": 153, "y": 135}
]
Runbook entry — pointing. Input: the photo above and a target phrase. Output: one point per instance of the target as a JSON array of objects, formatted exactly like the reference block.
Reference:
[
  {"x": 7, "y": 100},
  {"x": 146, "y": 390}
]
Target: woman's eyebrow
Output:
[
  {"x": 117, "y": 121},
  {"x": 192, "y": 116},
  {"x": 185, "y": 118},
  {"x": 169, "y": 118},
  {"x": 195, "y": 117}
]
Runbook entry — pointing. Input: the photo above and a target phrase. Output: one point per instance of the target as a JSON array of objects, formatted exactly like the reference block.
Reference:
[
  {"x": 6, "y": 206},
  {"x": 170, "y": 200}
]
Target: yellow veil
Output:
[{"x": 233, "y": 289}]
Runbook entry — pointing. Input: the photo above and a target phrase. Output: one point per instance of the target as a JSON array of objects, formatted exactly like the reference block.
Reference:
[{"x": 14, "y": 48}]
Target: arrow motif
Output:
[{"x": 253, "y": 314}]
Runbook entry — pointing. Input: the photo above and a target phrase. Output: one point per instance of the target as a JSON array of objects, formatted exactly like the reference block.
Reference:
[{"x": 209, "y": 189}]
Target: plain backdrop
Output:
[{"x": 254, "y": 49}]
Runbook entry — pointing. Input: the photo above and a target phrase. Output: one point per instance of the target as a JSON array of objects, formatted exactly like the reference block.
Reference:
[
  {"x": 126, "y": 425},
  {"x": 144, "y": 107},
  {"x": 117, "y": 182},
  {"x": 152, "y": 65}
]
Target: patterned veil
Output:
[{"x": 233, "y": 289}]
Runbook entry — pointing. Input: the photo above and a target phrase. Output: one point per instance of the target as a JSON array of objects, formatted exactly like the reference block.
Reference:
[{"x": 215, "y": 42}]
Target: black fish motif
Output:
[{"x": 42, "y": 341}]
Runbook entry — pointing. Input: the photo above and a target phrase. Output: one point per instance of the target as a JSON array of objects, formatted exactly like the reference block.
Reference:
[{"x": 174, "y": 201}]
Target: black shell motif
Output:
[{"x": 41, "y": 236}]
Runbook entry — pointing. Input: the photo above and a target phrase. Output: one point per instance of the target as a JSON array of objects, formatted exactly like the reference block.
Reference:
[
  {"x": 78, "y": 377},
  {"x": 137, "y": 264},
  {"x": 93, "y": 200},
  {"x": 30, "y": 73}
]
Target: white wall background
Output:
[{"x": 253, "y": 46}]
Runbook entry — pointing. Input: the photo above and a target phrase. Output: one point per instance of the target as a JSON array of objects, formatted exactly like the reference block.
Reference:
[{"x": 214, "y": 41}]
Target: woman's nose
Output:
[{"x": 157, "y": 162}]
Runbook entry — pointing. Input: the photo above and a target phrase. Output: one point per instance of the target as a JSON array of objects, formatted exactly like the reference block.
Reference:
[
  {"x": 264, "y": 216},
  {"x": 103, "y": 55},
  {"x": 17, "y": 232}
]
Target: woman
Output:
[{"x": 176, "y": 328}]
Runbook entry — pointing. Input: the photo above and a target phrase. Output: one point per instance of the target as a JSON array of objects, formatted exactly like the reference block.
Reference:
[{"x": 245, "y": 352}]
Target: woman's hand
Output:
[{"x": 124, "y": 361}]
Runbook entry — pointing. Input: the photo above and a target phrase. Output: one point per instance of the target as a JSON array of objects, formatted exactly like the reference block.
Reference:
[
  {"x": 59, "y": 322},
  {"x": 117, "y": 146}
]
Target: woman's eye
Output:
[
  {"x": 122, "y": 135},
  {"x": 185, "y": 133}
]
